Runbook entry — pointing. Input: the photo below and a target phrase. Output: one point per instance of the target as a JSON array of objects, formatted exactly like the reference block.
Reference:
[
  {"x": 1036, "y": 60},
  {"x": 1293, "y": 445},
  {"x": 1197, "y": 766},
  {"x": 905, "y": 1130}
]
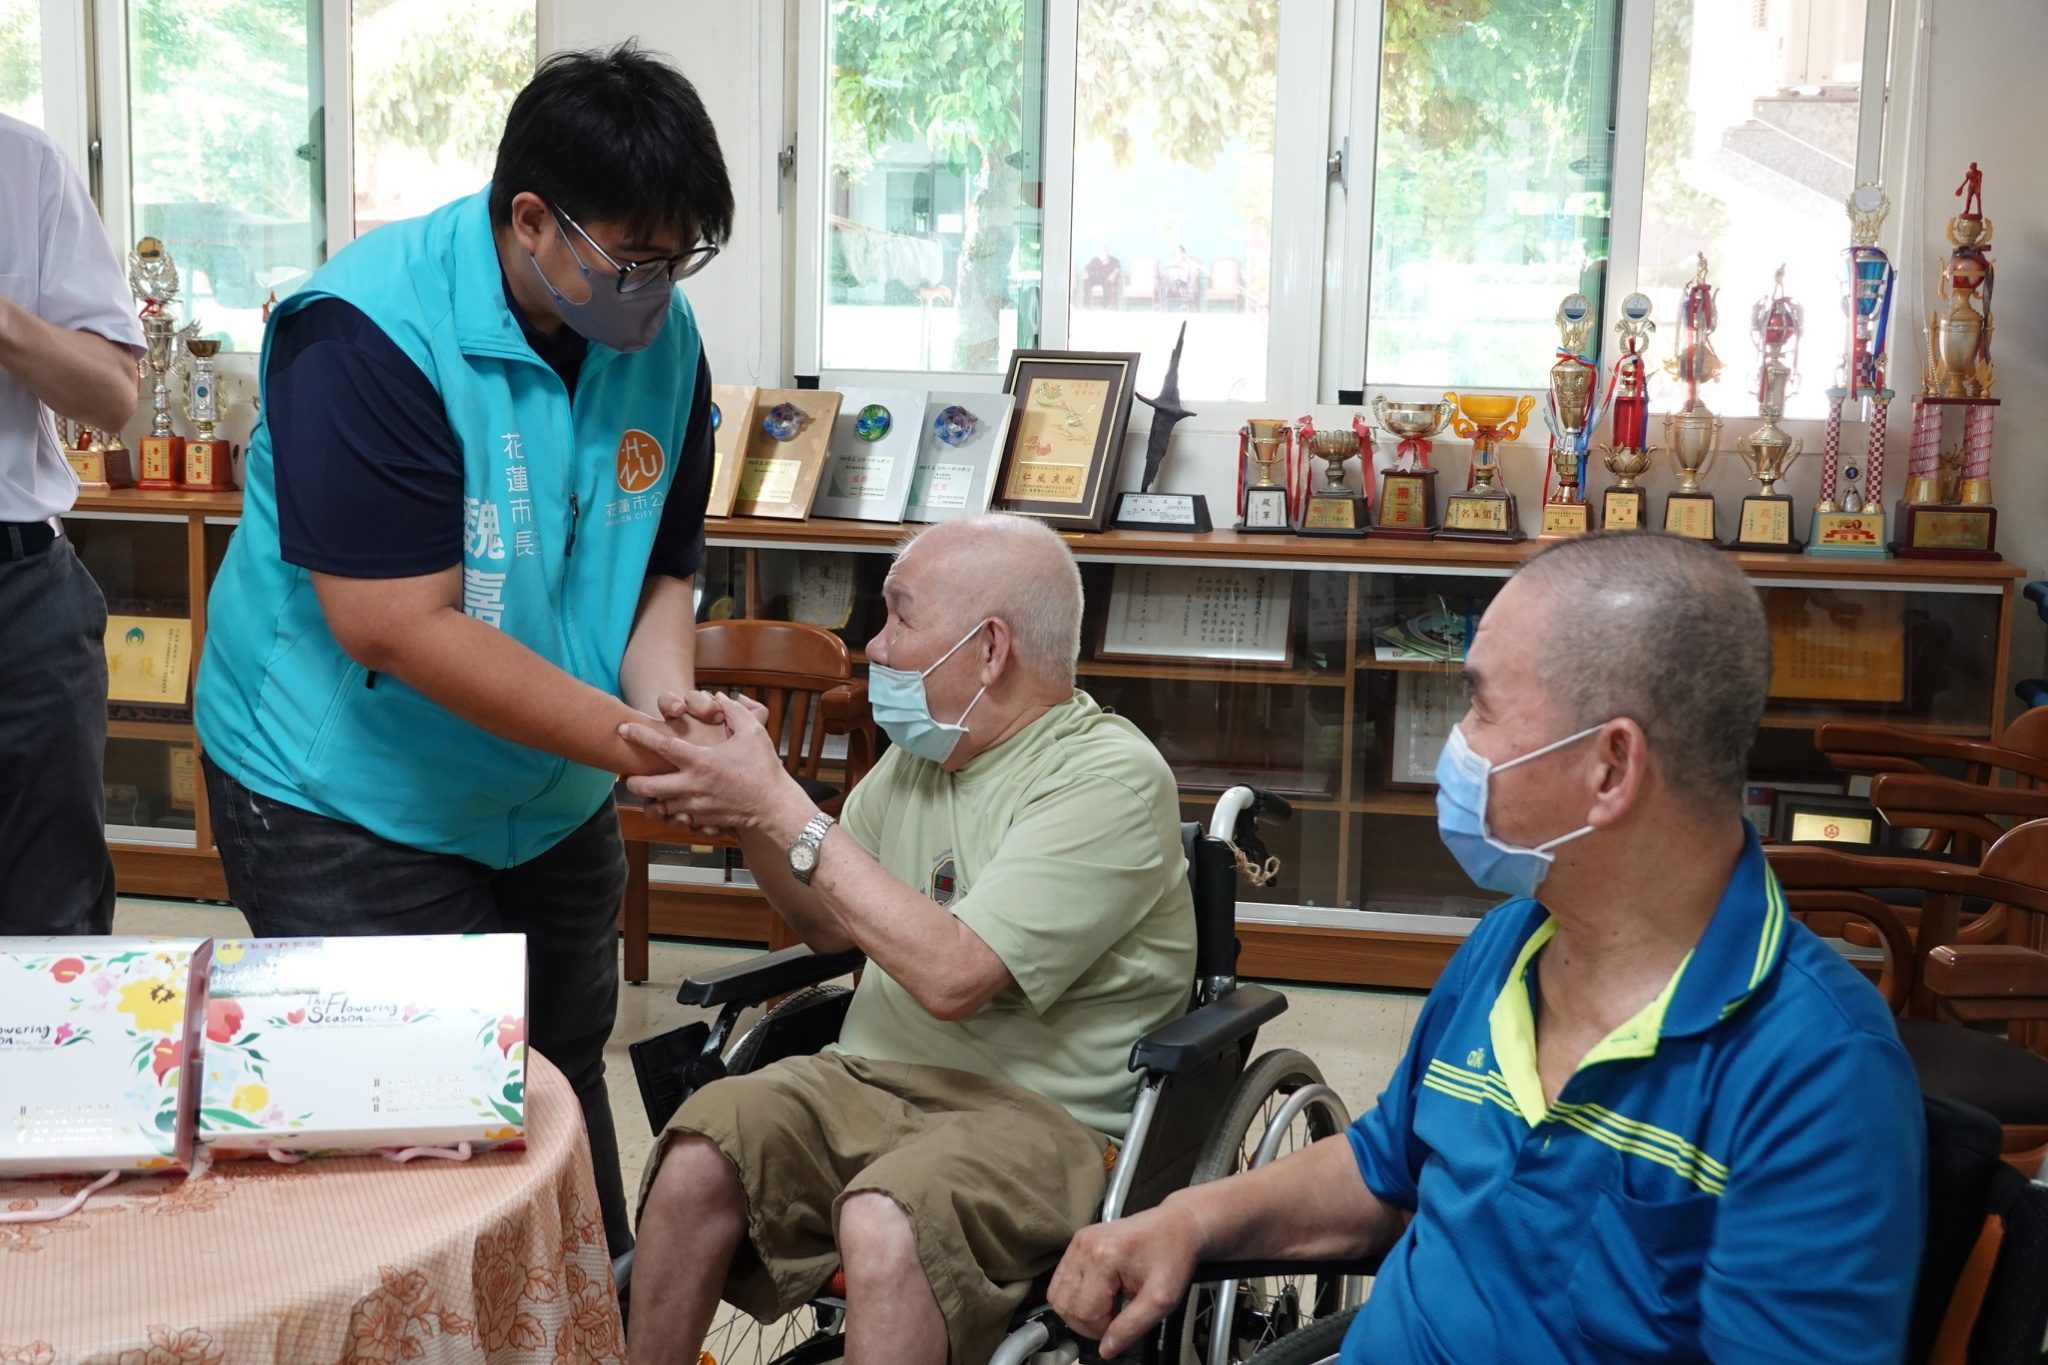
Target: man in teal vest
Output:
[{"x": 473, "y": 514}]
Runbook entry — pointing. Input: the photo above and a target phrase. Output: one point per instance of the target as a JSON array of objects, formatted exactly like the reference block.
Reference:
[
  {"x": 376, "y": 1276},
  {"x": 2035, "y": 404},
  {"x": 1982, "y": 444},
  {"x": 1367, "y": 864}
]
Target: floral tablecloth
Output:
[{"x": 499, "y": 1259}]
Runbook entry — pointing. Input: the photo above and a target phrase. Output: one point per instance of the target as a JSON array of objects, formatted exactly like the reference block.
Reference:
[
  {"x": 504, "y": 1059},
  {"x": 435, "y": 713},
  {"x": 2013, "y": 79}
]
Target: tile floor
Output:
[{"x": 1356, "y": 1036}]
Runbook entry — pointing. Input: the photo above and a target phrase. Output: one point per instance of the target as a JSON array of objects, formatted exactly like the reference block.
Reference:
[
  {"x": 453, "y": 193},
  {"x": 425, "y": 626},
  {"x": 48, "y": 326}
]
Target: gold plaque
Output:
[
  {"x": 163, "y": 461},
  {"x": 1565, "y": 519},
  {"x": 1404, "y": 501},
  {"x": 1621, "y": 509},
  {"x": 768, "y": 480},
  {"x": 1849, "y": 530},
  {"x": 208, "y": 465},
  {"x": 1043, "y": 481},
  {"x": 782, "y": 452},
  {"x": 1468, "y": 513},
  {"x": 1766, "y": 522},
  {"x": 1692, "y": 517},
  {"x": 1330, "y": 514},
  {"x": 184, "y": 779},
  {"x": 1951, "y": 530},
  {"x": 733, "y": 416},
  {"x": 149, "y": 659},
  {"x": 1827, "y": 827},
  {"x": 1836, "y": 645}
]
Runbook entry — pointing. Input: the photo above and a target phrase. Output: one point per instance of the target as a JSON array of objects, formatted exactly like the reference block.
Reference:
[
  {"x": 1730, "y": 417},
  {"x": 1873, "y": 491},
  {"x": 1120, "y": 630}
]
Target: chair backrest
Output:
[
  {"x": 1978, "y": 812},
  {"x": 1864, "y": 747},
  {"x": 1963, "y": 1157},
  {"x": 1212, "y": 877},
  {"x": 788, "y": 667}
]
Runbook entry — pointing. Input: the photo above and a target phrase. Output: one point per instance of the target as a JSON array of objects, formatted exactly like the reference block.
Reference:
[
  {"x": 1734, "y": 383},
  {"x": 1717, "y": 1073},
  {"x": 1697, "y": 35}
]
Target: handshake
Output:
[{"x": 727, "y": 776}]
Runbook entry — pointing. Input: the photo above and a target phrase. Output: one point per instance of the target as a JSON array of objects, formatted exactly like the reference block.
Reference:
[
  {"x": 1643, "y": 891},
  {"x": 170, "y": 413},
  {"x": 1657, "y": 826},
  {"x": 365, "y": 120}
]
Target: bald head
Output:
[
  {"x": 1014, "y": 569},
  {"x": 1663, "y": 630}
]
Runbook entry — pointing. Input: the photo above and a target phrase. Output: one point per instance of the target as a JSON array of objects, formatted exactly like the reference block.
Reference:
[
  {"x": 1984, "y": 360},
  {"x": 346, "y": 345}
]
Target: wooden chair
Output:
[
  {"x": 1969, "y": 817},
  {"x": 1226, "y": 284},
  {"x": 2020, "y": 755},
  {"x": 804, "y": 676},
  {"x": 1826, "y": 888}
]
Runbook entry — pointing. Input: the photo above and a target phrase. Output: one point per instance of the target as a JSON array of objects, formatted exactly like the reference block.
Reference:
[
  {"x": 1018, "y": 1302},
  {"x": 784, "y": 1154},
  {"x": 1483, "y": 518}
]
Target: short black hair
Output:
[{"x": 615, "y": 136}]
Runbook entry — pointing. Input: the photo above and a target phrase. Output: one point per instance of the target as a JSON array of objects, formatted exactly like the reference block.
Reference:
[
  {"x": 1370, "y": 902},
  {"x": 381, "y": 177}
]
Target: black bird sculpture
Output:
[{"x": 1166, "y": 410}]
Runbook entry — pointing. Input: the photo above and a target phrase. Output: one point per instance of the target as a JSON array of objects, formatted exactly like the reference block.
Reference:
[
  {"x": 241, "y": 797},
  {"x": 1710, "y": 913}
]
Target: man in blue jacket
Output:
[
  {"x": 474, "y": 510},
  {"x": 1644, "y": 1115}
]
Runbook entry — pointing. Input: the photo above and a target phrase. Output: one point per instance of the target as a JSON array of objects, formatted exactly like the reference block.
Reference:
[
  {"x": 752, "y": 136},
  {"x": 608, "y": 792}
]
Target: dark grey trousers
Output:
[{"x": 56, "y": 876}]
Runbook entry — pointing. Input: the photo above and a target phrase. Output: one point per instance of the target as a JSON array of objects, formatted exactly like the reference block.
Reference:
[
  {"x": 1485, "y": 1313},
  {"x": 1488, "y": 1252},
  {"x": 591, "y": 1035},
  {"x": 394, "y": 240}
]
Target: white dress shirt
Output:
[{"x": 56, "y": 262}]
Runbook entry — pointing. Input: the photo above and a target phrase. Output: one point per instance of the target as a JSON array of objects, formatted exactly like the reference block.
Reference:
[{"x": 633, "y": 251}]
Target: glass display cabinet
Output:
[{"x": 1327, "y": 671}]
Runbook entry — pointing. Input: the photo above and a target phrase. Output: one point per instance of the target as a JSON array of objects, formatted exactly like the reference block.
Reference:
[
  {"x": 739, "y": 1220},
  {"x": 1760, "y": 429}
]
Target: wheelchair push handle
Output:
[{"x": 1239, "y": 810}]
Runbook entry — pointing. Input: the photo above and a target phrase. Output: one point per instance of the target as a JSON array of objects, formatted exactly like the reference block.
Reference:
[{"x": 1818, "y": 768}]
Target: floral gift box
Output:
[
  {"x": 96, "y": 1050},
  {"x": 364, "y": 1044}
]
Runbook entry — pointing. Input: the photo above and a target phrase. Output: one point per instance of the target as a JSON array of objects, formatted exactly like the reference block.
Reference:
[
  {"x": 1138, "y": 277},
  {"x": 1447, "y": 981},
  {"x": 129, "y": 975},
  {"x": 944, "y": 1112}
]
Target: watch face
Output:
[{"x": 803, "y": 857}]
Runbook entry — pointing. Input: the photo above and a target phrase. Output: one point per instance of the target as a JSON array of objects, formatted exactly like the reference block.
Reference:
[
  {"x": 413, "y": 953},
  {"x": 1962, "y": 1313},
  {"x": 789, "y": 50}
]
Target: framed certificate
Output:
[
  {"x": 149, "y": 659},
  {"x": 1836, "y": 646},
  {"x": 872, "y": 456},
  {"x": 1175, "y": 612},
  {"x": 784, "y": 453},
  {"x": 1427, "y": 704},
  {"x": 732, "y": 416},
  {"x": 1066, "y": 445},
  {"x": 959, "y": 445}
]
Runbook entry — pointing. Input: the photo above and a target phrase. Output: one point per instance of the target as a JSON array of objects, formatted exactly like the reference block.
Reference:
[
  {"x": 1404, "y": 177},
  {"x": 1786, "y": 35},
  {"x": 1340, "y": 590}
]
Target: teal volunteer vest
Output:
[{"x": 561, "y": 501}]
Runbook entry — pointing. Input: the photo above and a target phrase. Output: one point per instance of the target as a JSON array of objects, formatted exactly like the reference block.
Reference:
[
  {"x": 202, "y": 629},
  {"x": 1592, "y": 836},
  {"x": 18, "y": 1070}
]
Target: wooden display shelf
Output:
[
  {"x": 1410, "y": 665},
  {"x": 169, "y": 731},
  {"x": 1207, "y": 672},
  {"x": 163, "y": 502},
  {"x": 1397, "y": 803},
  {"x": 1784, "y": 717}
]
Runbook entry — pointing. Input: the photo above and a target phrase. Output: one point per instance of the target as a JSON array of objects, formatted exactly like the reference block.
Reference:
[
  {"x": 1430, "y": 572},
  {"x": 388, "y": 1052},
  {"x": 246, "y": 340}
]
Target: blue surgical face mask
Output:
[
  {"x": 624, "y": 322},
  {"x": 897, "y": 700},
  {"x": 1462, "y": 780}
]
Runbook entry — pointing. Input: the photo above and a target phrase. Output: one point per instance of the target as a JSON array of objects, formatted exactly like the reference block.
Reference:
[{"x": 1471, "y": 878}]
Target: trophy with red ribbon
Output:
[
  {"x": 1849, "y": 518},
  {"x": 1335, "y": 509},
  {"x": 1407, "y": 505},
  {"x": 1693, "y": 433},
  {"x": 1766, "y": 521},
  {"x": 1628, "y": 398},
  {"x": 1570, "y": 417},
  {"x": 1947, "y": 511}
]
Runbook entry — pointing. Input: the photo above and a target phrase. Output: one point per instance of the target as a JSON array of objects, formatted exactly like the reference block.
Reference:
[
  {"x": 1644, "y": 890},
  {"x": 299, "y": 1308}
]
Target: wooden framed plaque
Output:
[
  {"x": 1173, "y": 613},
  {"x": 959, "y": 446},
  {"x": 784, "y": 454},
  {"x": 1836, "y": 645},
  {"x": 1427, "y": 704},
  {"x": 1071, "y": 410},
  {"x": 732, "y": 417},
  {"x": 872, "y": 456},
  {"x": 149, "y": 660}
]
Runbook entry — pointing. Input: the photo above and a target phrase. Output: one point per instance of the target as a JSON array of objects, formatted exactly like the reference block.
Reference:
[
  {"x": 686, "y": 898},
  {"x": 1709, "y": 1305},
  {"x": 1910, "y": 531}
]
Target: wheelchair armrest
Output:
[
  {"x": 760, "y": 978},
  {"x": 1211, "y": 1272},
  {"x": 1195, "y": 1037}
]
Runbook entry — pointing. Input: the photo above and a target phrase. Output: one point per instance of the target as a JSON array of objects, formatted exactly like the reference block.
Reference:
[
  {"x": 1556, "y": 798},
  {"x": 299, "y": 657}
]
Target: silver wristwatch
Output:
[{"x": 803, "y": 854}]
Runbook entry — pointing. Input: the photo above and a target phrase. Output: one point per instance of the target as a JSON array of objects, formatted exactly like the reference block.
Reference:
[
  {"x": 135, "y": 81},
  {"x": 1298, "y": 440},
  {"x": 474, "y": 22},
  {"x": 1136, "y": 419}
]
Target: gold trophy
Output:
[
  {"x": 1571, "y": 399},
  {"x": 1848, "y": 519},
  {"x": 1628, "y": 459},
  {"x": 1485, "y": 511},
  {"x": 1952, "y": 517},
  {"x": 1333, "y": 509},
  {"x": 1693, "y": 433},
  {"x": 209, "y": 462},
  {"x": 100, "y": 467},
  {"x": 153, "y": 278},
  {"x": 1408, "y": 490},
  {"x": 1766, "y": 523},
  {"x": 1264, "y": 504}
]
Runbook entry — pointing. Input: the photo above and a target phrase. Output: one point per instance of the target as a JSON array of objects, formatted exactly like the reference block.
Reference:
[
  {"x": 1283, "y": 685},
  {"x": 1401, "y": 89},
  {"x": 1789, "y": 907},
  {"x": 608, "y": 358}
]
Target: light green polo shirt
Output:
[{"x": 1060, "y": 848}]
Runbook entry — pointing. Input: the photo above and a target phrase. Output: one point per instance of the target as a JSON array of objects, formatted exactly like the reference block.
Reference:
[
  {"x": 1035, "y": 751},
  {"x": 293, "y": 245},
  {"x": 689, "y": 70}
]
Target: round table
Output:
[{"x": 361, "y": 1261}]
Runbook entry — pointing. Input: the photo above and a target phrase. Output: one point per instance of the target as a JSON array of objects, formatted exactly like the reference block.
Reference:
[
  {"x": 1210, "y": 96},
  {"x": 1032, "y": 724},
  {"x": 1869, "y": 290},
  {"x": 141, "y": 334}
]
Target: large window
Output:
[
  {"x": 933, "y": 238},
  {"x": 228, "y": 173},
  {"x": 21, "y": 59},
  {"x": 1490, "y": 185},
  {"x": 1173, "y": 187},
  {"x": 1484, "y": 159},
  {"x": 433, "y": 81},
  {"x": 1755, "y": 110}
]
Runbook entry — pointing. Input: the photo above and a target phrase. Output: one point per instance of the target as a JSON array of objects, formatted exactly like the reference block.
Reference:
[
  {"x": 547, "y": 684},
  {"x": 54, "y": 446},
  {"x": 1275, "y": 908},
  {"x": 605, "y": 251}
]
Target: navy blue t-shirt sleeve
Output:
[
  {"x": 368, "y": 470},
  {"x": 679, "y": 540}
]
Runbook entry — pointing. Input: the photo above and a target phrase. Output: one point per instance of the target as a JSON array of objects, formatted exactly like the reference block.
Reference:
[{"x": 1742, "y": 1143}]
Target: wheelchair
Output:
[{"x": 1205, "y": 1109}]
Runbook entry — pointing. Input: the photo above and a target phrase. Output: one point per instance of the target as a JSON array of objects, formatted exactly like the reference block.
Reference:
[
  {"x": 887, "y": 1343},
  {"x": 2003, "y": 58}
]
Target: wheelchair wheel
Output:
[
  {"x": 808, "y": 1336},
  {"x": 745, "y": 1053},
  {"x": 1259, "y": 1313},
  {"x": 1316, "y": 1344}
]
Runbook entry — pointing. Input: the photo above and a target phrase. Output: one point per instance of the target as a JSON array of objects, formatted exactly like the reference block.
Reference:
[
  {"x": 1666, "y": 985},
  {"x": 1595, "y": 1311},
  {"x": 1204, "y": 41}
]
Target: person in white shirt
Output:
[{"x": 69, "y": 341}]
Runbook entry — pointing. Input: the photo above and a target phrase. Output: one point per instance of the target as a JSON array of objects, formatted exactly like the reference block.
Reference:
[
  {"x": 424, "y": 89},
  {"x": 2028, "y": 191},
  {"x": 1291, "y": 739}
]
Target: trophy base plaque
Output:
[
  {"x": 1183, "y": 512},
  {"x": 1407, "y": 507},
  {"x": 1336, "y": 513},
  {"x": 1849, "y": 535},
  {"x": 209, "y": 467},
  {"x": 1933, "y": 530},
  {"x": 1562, "y": 519},
  {"x": 163, "y": 462},
  {"x": 1690, "y": 515},
  {"x": 1265, "y": 512},
  {"x": 101, "y": 471},
  {"x": 1481, "y": 516},
  {"x": 1621, "y": 509},
  {"x": 1766, "y": 526}
]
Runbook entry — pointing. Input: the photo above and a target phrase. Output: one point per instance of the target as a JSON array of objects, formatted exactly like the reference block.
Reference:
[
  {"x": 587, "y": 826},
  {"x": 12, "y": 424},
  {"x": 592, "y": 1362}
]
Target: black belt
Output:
[{"x": 20, "y": 539}]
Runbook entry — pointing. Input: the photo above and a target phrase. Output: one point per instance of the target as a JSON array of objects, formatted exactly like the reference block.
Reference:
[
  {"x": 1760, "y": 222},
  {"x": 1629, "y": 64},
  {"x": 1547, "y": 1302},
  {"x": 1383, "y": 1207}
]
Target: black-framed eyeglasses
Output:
[{"x": 638, "y": 275}]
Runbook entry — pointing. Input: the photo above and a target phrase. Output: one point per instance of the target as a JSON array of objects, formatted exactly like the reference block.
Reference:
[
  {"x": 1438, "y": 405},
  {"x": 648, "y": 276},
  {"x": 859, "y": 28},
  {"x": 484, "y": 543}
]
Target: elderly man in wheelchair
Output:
[{"x": 1016, "y": 882}]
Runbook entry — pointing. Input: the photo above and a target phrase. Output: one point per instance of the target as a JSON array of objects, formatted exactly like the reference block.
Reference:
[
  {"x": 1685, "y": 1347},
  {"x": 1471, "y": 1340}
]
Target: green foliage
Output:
[
  {"x": 949, "y": 72},
  {"x": 1198, "y": 76},
  {"x": 21, "y": 52},
  {"x": 439, "y": 75}
]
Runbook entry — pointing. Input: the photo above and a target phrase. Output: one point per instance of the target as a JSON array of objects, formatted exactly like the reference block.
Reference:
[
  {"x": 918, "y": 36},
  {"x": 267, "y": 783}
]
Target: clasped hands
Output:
[{"x": 737, "y": 782}]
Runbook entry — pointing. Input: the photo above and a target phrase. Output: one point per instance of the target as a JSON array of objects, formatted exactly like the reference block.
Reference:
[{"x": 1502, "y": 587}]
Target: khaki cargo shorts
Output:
[{"x": 996, "y": 1180}]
